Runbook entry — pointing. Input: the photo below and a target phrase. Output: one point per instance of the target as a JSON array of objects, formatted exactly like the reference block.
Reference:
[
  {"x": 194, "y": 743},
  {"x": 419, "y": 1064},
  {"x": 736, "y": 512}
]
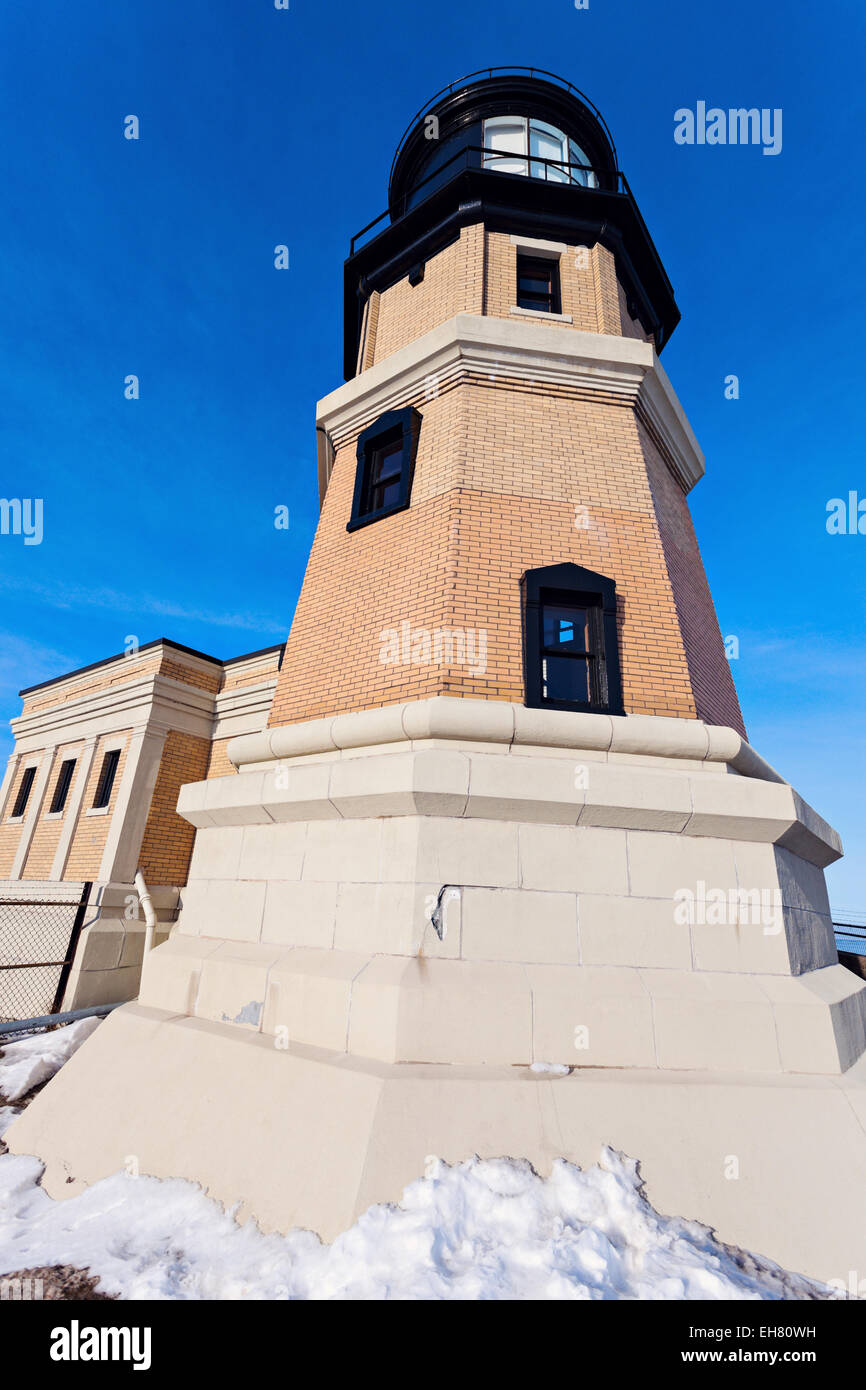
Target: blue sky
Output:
[{"x": 260, "y": 127}]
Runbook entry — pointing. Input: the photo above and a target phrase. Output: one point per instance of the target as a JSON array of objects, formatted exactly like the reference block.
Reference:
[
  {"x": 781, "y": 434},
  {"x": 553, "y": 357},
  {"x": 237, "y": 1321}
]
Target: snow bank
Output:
[
  {"x": 482, "y": 1229},
  {"x": 25, "y": 1064}
]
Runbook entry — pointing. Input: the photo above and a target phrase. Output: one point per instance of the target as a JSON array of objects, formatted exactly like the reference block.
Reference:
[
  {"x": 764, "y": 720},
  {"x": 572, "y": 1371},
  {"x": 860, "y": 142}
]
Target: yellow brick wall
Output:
[
  {"x": 506, "y": 475},
  {"x": 88, "y": 842},
  {"x": 587, "y": 282},
  {"x": 218, "y": 763},
  {"x": 241, "y": 676},
  {"x": 168, "y": 839},
  {"x": 453, "y": 284},
  {"x": 11, "y": 834},
  {"x": 478, "y": 275},
  {"x": 46, "y": 836}
]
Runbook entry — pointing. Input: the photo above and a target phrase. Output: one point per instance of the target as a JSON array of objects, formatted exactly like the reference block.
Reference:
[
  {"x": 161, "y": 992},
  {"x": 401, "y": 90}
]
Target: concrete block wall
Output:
[{"x": 314, "y": 884}]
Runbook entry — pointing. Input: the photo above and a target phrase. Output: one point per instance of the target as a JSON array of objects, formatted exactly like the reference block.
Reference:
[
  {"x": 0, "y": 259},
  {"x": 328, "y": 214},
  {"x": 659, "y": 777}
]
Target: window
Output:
[
  {"x": 61, "y": 789},
  {"x": 538, "y": 284},
  {"x": 570, "y": 647},
  {"x": 106, "y": 779},
  {"x": 386, "y": 460},
  {"x": 24, "y": 791},
  {"x": 523, "y": 145}
]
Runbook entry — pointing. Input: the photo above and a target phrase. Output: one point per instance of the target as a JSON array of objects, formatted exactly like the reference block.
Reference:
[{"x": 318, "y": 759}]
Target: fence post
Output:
[{"x": 71, "y": 948}]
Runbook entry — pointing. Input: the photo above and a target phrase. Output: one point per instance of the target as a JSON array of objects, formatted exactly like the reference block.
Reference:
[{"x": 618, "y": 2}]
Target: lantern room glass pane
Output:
[
  {"x": 546, "y": 142},
  {"x": 505, "y": 134},
  {"x": 585, "y": 177},
  {"x": 508, "y": 140}
]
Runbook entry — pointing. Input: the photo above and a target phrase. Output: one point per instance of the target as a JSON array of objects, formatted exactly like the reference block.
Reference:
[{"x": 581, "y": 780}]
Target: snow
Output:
[
  {"x": 482, "y": 1229},
  {"x": 28, "y": 1063}
]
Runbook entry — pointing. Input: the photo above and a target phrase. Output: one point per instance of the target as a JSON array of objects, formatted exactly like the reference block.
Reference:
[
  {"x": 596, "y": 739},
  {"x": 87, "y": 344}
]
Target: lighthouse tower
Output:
[{"x": 504, "y": 813}]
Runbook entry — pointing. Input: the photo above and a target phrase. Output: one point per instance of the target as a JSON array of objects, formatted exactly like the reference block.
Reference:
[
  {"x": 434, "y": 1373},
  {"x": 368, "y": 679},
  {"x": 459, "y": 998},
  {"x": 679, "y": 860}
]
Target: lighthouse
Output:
[{"x": 501, "y": 873}]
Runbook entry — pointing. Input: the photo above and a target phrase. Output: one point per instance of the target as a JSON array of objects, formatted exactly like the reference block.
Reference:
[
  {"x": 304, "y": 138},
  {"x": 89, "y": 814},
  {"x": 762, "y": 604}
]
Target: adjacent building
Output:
[{"x": 90, "y": 797}]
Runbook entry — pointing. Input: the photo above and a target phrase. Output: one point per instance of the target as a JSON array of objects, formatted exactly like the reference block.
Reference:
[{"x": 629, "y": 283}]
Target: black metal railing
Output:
[
  {"x": 38, "y": 939},
  {"x": 851, "y": 936},
  {"x": 560, "y": 171}
]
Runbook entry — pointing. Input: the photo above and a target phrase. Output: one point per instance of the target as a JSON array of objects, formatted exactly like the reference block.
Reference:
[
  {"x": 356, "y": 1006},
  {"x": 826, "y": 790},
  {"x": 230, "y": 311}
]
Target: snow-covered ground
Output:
[
  {"x": 34, "y": 1060},
  {"x": 482, "y": 1229}
]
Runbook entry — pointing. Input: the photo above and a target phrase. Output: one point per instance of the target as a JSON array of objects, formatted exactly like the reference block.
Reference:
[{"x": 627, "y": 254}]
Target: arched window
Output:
[
  {"x": 386, "y": 460},
  {"x": 570, "y": 648}
]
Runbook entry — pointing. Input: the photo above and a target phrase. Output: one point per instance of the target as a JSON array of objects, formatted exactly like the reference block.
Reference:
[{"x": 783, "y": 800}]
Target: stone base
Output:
[
  {"x": 392, "y": 915},
  {"x": 303, "y": 1137}
]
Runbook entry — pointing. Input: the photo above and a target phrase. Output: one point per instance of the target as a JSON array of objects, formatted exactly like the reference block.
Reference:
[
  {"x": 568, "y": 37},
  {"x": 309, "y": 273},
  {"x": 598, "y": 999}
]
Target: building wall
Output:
[
  {"x": 46, "y": 837},
  {"x": 218, "y": 762},
  {"x": 511, "y": 474},
  {"x": 587, "y": 281},
  {"x": 167, "y": 843},
  {"x": 88, "y": 842},
  {"x": 507, "y": 478},
  {"x": 478, "y": 275},
  {"x": 11, "y": 834},
  {"x": 148, "y": 688},
  {"x": 76, "y": 687},
  {"x": 453, "y": 284},
  {"x": 709, "y": 669}
]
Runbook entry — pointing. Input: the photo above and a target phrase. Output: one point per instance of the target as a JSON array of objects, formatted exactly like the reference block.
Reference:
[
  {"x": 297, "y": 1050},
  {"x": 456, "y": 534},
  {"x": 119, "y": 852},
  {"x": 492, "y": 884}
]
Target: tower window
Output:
[
  {"x": 24, "y": 791},
  {"x": 570, "y": 648},
  {"x": 106, "y": 779},
  {"x": 523, "y": 145},
  {"x": 386, "y": 461},
  {"x": 538, "y": 284},
  {"x": 61, "y": 789}
]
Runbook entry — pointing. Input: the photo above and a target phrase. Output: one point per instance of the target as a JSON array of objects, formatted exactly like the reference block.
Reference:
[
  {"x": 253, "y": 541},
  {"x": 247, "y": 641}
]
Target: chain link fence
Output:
[{"x": 38, "y": 937}]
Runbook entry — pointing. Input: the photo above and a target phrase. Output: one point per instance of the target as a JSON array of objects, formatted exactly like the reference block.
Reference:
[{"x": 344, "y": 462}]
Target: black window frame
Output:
[
  {"x": 107, "y": 776},
  {"x": 25, "y": 787},
  {"x": 61, "y": 786},
  {"x": 550, "y": 303},
  {"x": 395, "y": 426},
  {"x": 570, "y": 585}
]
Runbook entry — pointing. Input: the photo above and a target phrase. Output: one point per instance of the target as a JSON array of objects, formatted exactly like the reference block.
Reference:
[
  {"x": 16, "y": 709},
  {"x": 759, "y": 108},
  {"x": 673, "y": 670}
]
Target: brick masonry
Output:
[
  {"x": 509, "y": 476},
  {"x": 166, "y": 843}
]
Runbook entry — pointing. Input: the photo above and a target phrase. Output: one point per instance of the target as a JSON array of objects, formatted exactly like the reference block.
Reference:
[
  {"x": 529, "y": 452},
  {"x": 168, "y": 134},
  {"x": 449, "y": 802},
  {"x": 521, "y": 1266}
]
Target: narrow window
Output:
[
  {"x": 570, "y": 648},
  {"x": 386, "y": 462},
  {"x": 538, "y": 284},
  {"x": 61, "y": 789},
  {"x": 382, "y": 475},
  {"x": 106, "y": 779},
  {"x": 24, "y": 791}
]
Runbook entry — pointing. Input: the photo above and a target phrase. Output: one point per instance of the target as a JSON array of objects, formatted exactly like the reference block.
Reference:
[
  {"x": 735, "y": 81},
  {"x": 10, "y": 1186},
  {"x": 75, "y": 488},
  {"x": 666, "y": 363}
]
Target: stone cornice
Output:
[
  {"x": 503, "y": 723},
  {"x": 151, "y": 701},
  {"x": 625, "y": 369},
  {"x": 243, "y": 710}
]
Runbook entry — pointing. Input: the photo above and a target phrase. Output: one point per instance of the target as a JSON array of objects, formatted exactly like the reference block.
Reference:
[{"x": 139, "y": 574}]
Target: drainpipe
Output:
[{"x": 149, "y": 912}]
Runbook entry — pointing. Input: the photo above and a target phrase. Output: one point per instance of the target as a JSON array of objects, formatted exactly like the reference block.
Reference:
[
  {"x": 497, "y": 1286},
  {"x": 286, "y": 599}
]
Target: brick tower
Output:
[
  {"x": 501, "y": 335},
  {"x": 503, "y": 813}
]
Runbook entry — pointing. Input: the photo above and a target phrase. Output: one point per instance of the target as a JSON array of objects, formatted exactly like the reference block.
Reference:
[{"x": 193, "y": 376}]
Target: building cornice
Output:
[
  {"x": 623, "y": 369},
  {"x": 151, "y": 701},
  {"x": 244, "y": 710}
]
